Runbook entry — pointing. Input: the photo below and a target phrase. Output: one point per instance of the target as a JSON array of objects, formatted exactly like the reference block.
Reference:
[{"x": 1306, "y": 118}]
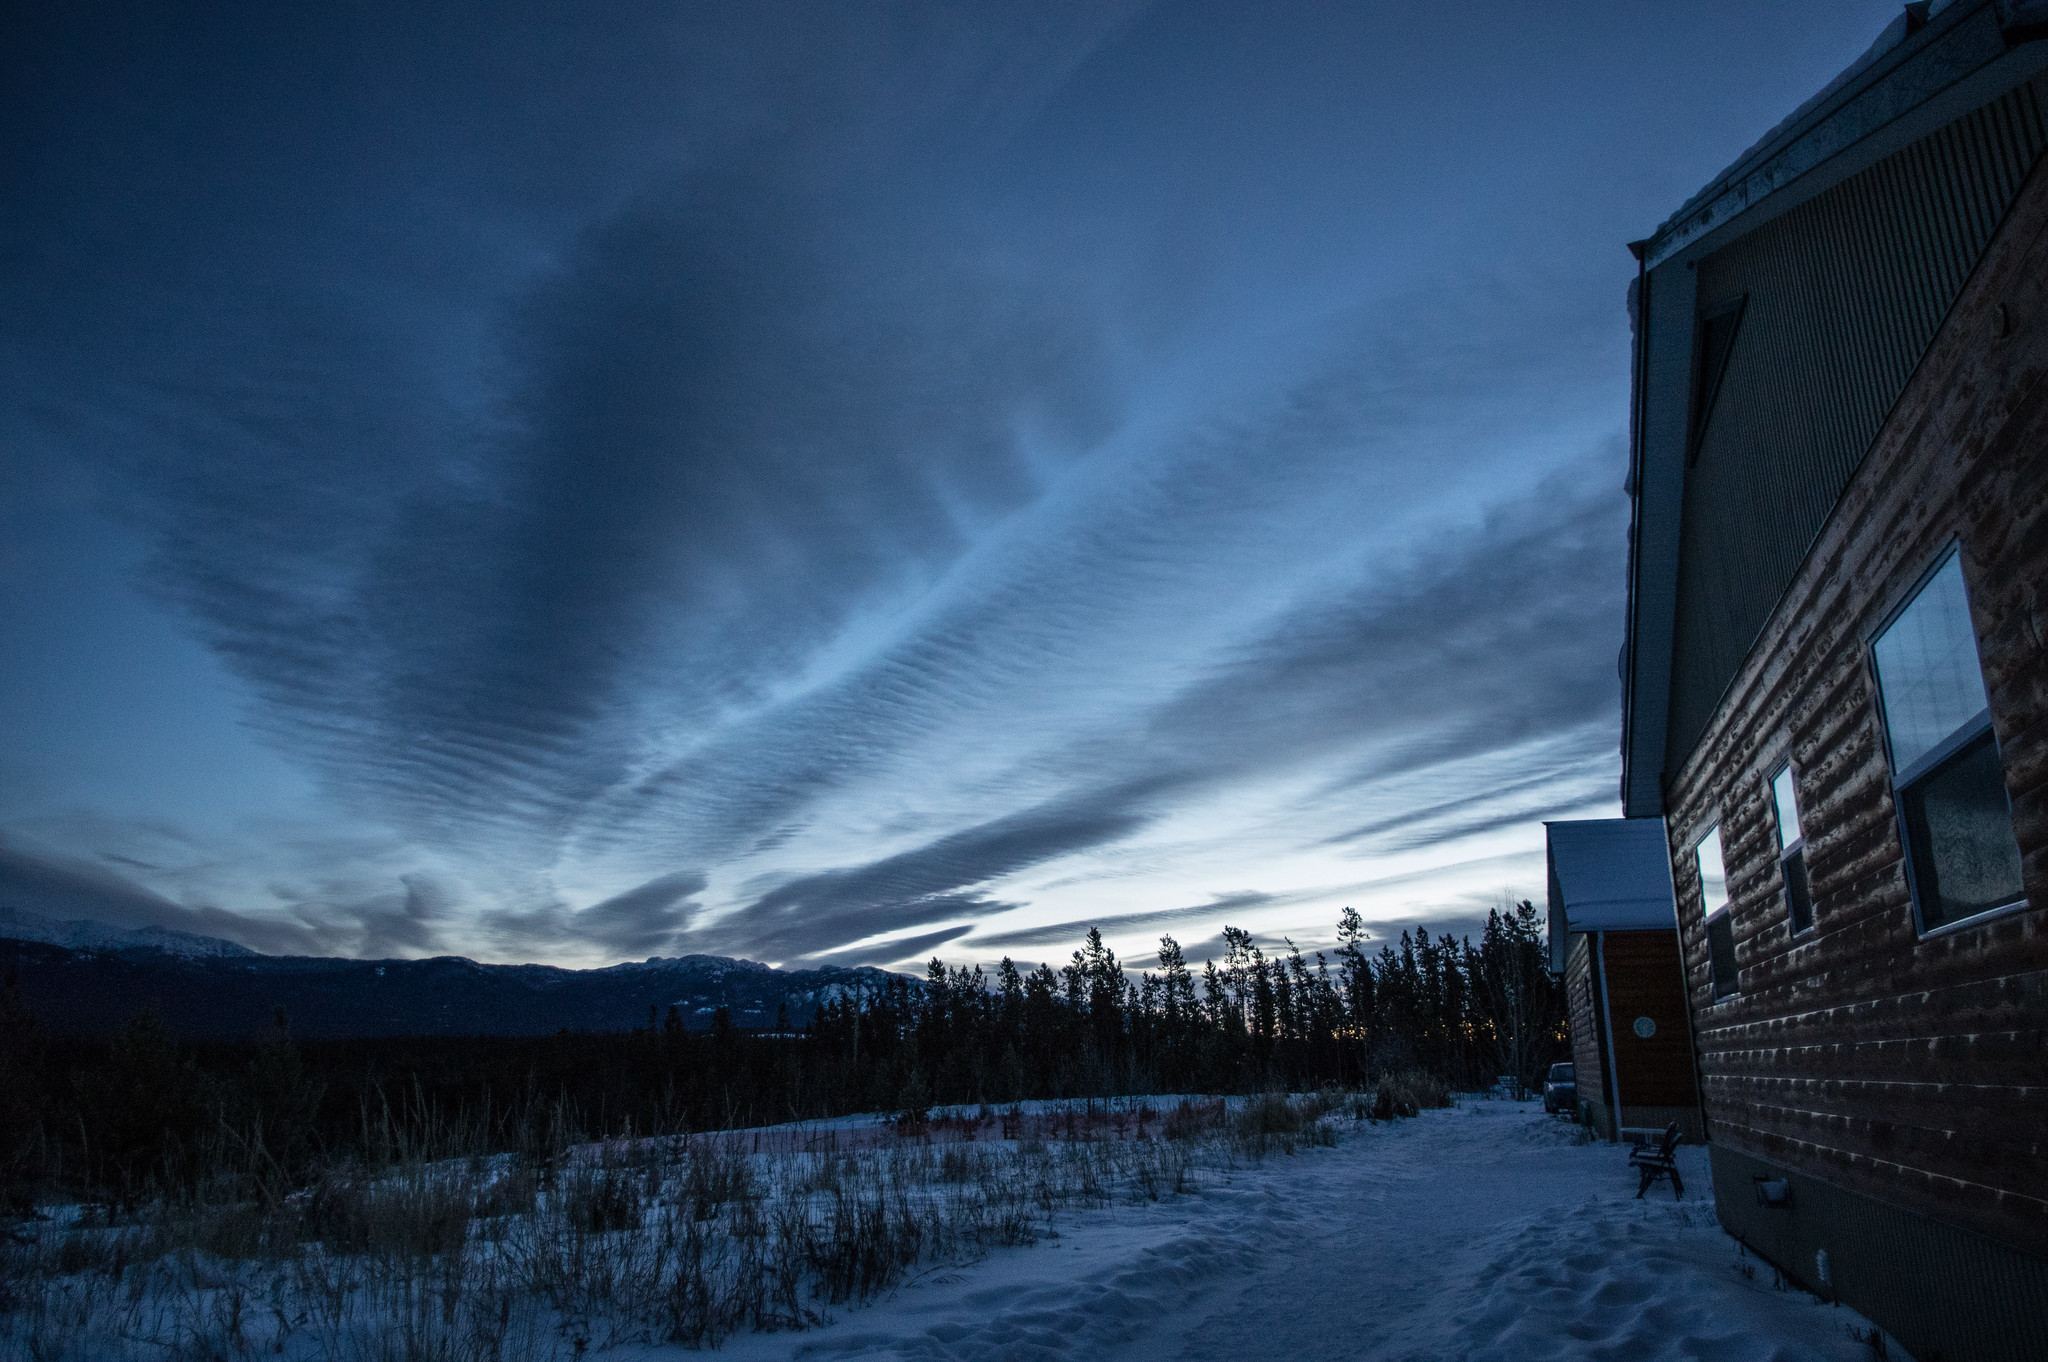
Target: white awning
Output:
[{"x": 1607, "y": 875}]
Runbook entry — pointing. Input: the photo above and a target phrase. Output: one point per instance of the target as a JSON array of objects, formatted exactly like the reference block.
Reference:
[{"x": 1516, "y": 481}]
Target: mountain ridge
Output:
[{"x": 200, "y": 992}]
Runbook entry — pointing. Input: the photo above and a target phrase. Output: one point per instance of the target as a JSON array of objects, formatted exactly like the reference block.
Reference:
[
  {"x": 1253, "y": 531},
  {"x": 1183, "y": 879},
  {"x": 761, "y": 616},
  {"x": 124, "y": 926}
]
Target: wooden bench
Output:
[{"x": 1658, "y": 1161}]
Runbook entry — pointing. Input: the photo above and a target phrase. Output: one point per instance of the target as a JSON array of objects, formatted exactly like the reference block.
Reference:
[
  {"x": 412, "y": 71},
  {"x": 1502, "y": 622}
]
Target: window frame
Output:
[
  {"x": 1787, "y": 851},
  {"x": 1722, "y": 916},
  {"x": 1937, "y": 756}
]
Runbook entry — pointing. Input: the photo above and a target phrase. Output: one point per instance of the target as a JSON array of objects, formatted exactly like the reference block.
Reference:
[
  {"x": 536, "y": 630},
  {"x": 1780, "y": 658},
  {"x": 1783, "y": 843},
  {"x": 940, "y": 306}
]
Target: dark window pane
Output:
[
  {"x": 1713, "y": 872},
  {"x": 1787, "y": 801},
  {"x": 1798, "y": 902},
  {"x": 1721, "y": 951},
  {"x": 1927, "y": 668},
  {"x": 1959, "y": 828}
]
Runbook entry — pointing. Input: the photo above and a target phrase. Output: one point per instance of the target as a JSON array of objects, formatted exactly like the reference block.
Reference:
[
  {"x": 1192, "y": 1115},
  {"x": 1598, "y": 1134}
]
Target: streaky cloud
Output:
[{"x": 818, "y": 913}]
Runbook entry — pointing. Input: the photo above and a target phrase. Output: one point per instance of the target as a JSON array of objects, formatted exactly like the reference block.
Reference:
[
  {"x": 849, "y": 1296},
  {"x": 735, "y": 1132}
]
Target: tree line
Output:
[
  {"x": 139, "y": 1113},
  {"x": 1464, "y": 1012}
]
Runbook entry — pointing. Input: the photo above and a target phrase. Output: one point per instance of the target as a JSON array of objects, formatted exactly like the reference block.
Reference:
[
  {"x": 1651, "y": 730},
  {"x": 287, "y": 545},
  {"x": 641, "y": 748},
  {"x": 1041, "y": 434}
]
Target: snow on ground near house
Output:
[{"x": 1481, "y": 1232}]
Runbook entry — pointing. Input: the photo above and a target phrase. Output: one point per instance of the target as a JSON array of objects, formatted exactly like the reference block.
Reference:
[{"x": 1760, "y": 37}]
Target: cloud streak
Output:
[{"x": 823, "y": 913}]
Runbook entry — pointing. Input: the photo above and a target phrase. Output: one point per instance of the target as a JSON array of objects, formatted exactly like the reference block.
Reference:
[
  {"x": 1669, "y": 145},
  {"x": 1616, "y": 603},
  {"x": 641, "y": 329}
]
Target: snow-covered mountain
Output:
[{"x": 84, "y": 935}]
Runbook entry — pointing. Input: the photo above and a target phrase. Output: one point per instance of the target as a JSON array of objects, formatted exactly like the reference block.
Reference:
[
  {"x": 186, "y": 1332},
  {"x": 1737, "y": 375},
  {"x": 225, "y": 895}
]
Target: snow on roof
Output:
[
  {"x": 1895, "y": 33},
  {"x": 1926, "y": 50},
  {"x": 1607, "y": 874}
]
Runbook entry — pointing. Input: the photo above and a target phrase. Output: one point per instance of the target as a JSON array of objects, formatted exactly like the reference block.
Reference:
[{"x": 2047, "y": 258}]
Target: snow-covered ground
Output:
[
  {"x": 1486, "y": 1231},
  {"x": 1480, "y": 1232}
]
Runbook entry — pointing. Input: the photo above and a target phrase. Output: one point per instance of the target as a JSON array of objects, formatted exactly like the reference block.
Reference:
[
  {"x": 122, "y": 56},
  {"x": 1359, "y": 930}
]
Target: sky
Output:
[{"x": 827, "y": 484}]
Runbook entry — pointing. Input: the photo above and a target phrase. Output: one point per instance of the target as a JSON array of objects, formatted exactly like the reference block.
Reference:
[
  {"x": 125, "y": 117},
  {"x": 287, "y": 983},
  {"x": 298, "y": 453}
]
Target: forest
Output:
[{"x": 117, "y": 1119}]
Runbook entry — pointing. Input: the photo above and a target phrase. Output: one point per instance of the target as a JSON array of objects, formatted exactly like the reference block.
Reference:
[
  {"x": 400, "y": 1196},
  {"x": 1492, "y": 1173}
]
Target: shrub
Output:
[
  {"x": 1276, "y": 1122},
  {"x": 602, "y": 1199},
  {"x": 405, "y": 1213},
  {"x": 1190, "y": 1120},
  {"x": 1407, "y": 1094}
]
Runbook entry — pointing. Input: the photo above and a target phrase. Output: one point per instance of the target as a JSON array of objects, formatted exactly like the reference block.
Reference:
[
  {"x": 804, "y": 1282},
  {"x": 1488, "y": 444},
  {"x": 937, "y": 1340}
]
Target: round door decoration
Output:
[{"x": 1645, "y": 1027}]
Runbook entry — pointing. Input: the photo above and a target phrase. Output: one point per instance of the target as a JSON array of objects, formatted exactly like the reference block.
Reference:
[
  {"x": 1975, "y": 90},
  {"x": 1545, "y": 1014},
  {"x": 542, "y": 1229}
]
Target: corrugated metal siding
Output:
[{"x": 1844, "y": 295}]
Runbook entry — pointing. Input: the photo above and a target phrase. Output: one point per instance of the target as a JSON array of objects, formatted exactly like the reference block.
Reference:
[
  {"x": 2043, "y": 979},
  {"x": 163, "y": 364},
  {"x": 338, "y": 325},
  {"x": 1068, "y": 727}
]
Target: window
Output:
[
  {"x": 1792, "y": 852},
  {"x": 1961, "y": 856},
  {"x": 1714, "y": 898}
]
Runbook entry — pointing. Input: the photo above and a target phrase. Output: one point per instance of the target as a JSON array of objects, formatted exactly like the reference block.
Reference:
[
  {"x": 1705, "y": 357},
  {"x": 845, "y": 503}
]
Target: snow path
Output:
[{"x": 1481, "y": 1232}]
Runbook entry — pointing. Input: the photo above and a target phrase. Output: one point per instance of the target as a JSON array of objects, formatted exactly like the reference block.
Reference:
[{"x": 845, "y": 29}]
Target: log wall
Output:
[{"x": 1589, "y": 1063}]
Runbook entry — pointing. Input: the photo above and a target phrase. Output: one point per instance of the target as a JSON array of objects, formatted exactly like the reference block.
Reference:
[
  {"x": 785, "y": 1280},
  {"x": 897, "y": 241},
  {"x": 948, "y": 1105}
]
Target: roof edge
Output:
[{"x": 1925, "y": 51}]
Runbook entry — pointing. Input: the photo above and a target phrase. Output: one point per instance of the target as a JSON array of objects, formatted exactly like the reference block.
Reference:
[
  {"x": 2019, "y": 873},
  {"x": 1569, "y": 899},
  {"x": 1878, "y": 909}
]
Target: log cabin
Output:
[{"x": 1614, "y": 942}]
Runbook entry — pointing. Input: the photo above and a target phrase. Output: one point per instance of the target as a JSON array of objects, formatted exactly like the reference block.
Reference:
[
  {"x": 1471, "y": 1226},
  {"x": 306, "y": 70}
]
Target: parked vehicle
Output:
[{"x": 1560, "y": 1089}]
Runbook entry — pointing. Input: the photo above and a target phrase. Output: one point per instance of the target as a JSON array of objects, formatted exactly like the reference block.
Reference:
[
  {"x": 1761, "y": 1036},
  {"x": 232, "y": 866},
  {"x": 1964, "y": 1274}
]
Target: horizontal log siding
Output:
[{"x": 1912, "y": 1070}]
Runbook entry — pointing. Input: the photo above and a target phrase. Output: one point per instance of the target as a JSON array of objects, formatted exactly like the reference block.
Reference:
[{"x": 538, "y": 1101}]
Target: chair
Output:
[{"x": 1659, "y": 1162}]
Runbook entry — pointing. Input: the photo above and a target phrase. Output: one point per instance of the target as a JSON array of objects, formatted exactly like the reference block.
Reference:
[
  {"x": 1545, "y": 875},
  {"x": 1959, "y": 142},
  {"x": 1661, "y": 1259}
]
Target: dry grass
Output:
[{"x": 683, "y": 1240}]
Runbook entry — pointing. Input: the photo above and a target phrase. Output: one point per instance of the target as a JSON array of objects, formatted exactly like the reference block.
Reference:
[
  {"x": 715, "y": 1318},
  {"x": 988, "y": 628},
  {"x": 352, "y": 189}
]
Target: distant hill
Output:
[{"x": 207, "y": 989}]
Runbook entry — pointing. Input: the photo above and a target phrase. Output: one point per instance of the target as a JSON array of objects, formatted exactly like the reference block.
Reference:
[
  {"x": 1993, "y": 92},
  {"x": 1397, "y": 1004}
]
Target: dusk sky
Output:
[{"x": 827, "y": 483}]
